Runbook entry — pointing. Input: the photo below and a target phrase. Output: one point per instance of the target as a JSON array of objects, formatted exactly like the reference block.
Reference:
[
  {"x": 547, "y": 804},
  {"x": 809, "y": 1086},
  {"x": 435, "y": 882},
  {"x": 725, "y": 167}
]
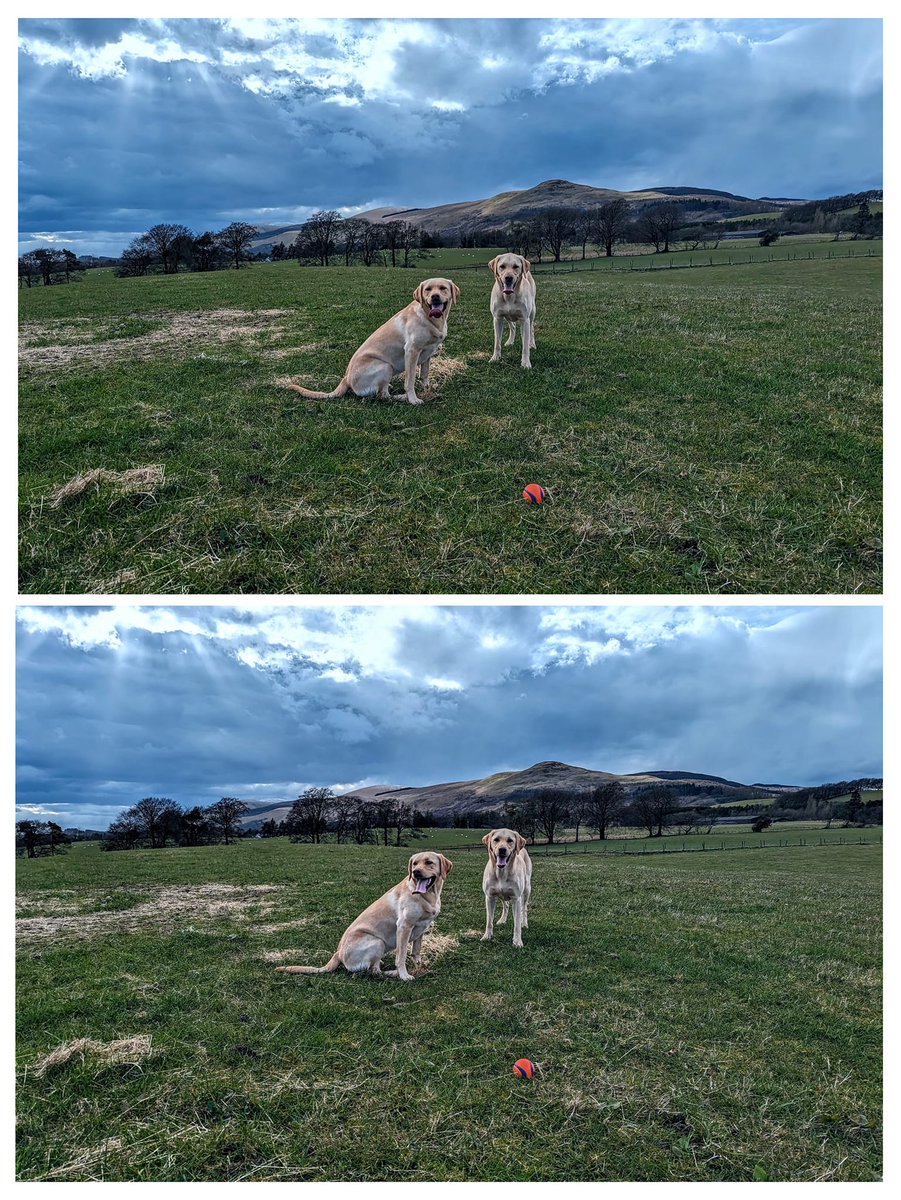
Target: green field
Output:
[
  {"x": 697, "y": 1017},
  {"x": 709, "y": 430}
]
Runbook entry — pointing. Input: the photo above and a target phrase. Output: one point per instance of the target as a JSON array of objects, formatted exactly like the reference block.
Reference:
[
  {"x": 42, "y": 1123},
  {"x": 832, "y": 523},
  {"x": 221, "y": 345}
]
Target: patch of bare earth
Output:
[
  {"x": 164, "y": 908},
  {"x": 180, "y": 334}
]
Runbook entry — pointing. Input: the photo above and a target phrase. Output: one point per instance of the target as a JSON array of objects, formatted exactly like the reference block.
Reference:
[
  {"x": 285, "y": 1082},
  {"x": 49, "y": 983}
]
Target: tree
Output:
[
  {"x": 235, "y": 239},
  {"x": 583, "y": 227},
  {"x": 851, "y": 808},
  {"x": 392, "y": 232},
  {"x": 760, "y": 824},
  {"x": 657, "y": 225},
  {"x": 555, "y": 225},
  {"x": 137, "y": 257},
  {"x": 353, "y": 230},
  {"x": 317, "y": 235},
  {"x": 551, "y": 809},
  {"x": 124, "y": 833},
  {"x": 768, "y": 237},
  {"x": 578, "y": 810},
  {"x": 205, "y": 252},
  {"x": 31, "y": 836},
  {"x": 269, "y": 828},
  {"x": 654, "y": 806},
  {"x": 308, "y": 819},
  {"x": 170, "y": 243},
  {"x": 195, "y": 826},
  {"x": 605, "y": 804},
  {"x": 225, "y": 816},
  {"x": 611, "y": 220},
  {"x": 383, "y": 809},
  {"x": 372, "y": 242},
  {"x": 154, "y": 815},
  {"x": 57, "y": 840}
]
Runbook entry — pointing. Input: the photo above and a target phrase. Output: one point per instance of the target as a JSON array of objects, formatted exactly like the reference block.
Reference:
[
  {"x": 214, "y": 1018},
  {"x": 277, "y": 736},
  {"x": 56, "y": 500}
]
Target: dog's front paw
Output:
[
  {"x": 414, "y": 400},
  {"x": 517, "y": 943},
  {"x": 486, "y": 937}
]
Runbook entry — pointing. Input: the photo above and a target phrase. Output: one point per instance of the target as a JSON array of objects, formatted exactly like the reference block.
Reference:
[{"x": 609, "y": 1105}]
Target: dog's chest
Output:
[{"x": 501, "y": 885}]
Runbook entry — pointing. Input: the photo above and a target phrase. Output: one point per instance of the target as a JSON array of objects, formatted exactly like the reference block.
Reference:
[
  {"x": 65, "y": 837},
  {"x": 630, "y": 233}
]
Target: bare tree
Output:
[
  {"x": 551, "y": 809},
  {"x": 605, "y": 804},
  {"x": 235, "y": 240},
  {"x": 583, "y": 228},
  {"x": 317, "y": 235},
  {"x": 352, "y": 231},
  {"x": 308, "y": 819},
  {"x": 555, "y": 226},
  {"x": 611, "y": 220},
  {"x": 657, "y": 226},
  {"x": 137, "y": 257},
  {"x": 154, "y": 814},
  {"x": 372, "y": 242},
  {"x": 168, "y": 242},
  {"x": 393, "y": 234},
  {"x": 226, "y": 814},
  {"x": 654, "y": 806}
]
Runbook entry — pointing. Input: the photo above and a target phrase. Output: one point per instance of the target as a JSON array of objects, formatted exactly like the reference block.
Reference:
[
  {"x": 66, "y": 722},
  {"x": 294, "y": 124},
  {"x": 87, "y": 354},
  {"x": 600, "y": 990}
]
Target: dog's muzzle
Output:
[
  {"x": 423, "y": 882},
  {"x": 437, "y": 307}
]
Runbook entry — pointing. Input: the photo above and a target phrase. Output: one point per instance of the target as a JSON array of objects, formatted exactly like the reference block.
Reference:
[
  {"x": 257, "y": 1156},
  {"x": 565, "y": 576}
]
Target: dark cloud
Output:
[
  {"x": 125, "y": 123},
  {"x": 198, "y": 703}
]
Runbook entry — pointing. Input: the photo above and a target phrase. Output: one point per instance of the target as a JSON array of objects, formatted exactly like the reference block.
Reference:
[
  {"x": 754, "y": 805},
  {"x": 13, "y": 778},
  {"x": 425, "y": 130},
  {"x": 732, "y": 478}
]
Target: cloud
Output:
[
  {"x": 196, "y": 703},
  {"x": 197, "y": 120}
]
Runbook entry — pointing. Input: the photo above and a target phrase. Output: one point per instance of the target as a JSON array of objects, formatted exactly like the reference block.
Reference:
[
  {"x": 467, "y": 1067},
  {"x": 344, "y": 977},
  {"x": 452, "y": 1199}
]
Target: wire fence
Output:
[
  {"x": 718, "y": 845},
  {"x": 571, "y": 266}
]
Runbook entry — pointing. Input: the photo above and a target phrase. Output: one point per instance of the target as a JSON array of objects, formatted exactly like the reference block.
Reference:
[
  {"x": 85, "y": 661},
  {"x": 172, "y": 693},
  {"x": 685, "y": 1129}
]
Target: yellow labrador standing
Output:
[
  {"x": 507, "y": 877},
  {"x": 407, "y": 341},
  {"x": 513, "y": 301},
  {"x": 395, "y": 921}
]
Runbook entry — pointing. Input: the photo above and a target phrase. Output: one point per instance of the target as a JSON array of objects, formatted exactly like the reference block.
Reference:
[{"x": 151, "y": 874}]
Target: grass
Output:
[
  {"x": 695, "y": 1017},
  {"x": 706, "y": 431}
]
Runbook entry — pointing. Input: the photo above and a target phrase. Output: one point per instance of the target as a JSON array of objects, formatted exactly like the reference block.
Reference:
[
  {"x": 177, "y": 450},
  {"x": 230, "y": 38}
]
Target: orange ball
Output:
[
  {"x": 525, "y": 1068},
  {"x": 534, "y": 493}
]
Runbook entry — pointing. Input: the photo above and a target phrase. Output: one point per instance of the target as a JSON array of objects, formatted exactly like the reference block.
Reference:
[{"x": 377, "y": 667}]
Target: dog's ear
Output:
[
  {"x": 520, "y": 842},
  {"x": 486, "y": 839},
  {"x": 526, "y": 266},
  {"x": 417, "y": 295},
  {"x": 456, "y": 290},
  {"x": 493, "y": 261},
  {"x": 446, "y": 866},
  {"x": 410, "y": 867}
]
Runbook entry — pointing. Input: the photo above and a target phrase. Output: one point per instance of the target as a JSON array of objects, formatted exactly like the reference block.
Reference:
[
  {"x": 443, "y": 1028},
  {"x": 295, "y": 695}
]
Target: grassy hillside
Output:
[
  {"x": 708, "y": 431},
  {"x": 695, "y": 1017}
]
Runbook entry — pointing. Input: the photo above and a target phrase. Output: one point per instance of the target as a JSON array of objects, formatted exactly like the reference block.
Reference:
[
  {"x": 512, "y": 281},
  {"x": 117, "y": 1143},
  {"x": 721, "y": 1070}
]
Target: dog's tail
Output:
[
  {"x": 342, "y": 387},
  {"x": 332, "y": 965}
]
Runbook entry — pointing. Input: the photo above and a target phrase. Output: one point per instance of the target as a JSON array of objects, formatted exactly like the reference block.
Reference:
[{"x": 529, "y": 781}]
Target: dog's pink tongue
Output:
[
  {"x": 422, "y": 885},
  {"x": 436, "y": 310}
]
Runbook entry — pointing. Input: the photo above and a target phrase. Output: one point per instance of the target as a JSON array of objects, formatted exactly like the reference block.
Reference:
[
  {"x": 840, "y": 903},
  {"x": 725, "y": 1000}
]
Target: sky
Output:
[
  {"x": 128, "y": 122},
  {"x": 195, "y": 703}
]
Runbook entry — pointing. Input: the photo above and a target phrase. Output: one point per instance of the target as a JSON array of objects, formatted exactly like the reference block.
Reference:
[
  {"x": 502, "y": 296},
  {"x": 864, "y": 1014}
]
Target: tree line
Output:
[{"x": 168, "y": 248}]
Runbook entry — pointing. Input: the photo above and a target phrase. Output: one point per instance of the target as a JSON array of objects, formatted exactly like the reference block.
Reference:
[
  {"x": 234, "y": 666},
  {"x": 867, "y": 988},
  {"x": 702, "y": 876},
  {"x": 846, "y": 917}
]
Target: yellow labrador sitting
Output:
[
  {"x": 513, "y": 301},
  {"x": 395, "y": 921},
  {"x": 507, "y": 877},
  {"x": 407, "y": 341}
]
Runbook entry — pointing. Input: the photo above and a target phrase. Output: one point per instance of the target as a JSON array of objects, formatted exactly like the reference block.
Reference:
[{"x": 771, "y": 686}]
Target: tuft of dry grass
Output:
[
  {"x": 125, "y": 1050},
  {"x": 137, "y": 480}
]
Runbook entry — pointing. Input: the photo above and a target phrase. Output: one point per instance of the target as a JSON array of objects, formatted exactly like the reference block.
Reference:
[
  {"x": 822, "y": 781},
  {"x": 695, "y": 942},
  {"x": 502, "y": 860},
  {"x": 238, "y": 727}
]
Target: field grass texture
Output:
[
  {"x": 707, "y": 431},
  {"x": 700, "y": 1017}
]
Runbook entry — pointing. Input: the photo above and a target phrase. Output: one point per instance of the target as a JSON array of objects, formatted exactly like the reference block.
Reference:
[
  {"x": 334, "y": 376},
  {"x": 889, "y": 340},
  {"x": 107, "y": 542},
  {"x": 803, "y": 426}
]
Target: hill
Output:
[
  {"x": 465, "y": 218},
  {"x": 444, "y": 801}
]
